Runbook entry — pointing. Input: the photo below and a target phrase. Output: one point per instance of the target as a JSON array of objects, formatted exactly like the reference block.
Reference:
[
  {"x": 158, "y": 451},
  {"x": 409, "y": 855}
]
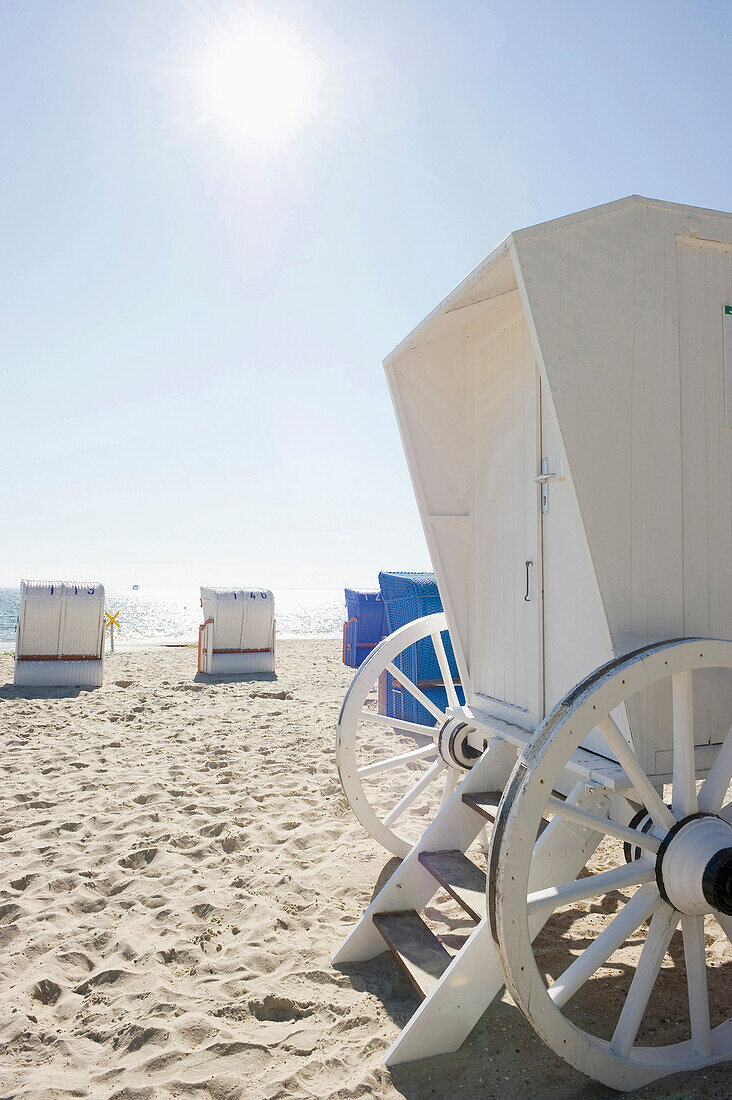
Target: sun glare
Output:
[{"x": 257, "y": 85}]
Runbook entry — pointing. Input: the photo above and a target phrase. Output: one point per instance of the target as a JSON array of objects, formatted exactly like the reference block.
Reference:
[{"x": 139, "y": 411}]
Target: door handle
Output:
[
  {"x": 542, "y": 479},
  {"x": 527, "y": 597}
]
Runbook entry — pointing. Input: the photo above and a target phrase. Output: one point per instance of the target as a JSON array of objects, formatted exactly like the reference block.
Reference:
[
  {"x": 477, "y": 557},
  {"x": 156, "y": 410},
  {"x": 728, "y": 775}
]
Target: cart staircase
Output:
[{"x": 457, "y": 989}]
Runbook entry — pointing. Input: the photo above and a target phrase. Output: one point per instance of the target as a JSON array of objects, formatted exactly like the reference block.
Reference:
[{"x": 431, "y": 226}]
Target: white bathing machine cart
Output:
[{"x": 567, "y": 418}]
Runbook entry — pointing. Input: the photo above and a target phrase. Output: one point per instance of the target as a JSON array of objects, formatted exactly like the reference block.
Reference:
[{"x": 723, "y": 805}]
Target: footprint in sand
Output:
[
  {"x": 22, "y": 883},
  {"x": 76, "y": 958},
  {"x": 279, "y": 1009},
  {"x": 202, "y": 910},
  {"x": 46, "y": 992},
  {"x": 139, "y": 858},
  {"x": 103, "y": 977}
]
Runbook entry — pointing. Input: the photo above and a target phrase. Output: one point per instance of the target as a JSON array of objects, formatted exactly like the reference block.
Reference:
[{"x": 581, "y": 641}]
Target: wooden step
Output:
[
  {"x": 484, "y": 803},
  {"x": 460, "y": 877},
  {"x": 417, "y": 950}
]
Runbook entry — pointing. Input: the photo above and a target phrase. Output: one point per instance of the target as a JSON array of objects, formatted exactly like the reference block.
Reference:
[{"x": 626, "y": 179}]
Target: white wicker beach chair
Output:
[
  {"x": 238, "y": 631},
  {"x": 60, "y": 635}
]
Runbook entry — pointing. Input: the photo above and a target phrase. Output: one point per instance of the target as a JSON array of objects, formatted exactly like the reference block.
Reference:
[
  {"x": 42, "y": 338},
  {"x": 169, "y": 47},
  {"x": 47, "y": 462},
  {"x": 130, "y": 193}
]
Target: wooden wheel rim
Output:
[
  {"x": 350, "y": 719},
  {"x": 520, "y": 812}
]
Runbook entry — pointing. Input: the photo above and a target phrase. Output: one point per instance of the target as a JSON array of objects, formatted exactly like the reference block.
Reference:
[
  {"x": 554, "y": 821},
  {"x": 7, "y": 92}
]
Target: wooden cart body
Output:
[
  {"x": 590, "y": 349},
  {"x": 567, "y": 418}
]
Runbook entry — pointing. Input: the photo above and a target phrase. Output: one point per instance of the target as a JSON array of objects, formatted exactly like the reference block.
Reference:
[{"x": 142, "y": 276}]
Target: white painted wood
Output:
[
  {"x": 600, "y": 342},
  {"x": 432, "y": 405},
  {"x": 715, "y": 786},
  {"x": 692, "y": 928},
  {"x": 411, "y": 886},
  {"x": 624, "y": 306},
  {"x": 684, "y": 767},
  {"x": 516, "y": 899},
  {"x": 418, "y": 694},
  {"x": 568, "y": 893},
  {"x": 645, "y": 790},
  {"x": 396, "y": 761},
  {"x": 641, "y": 906},
  {"x": 444, "y": 1020},
  {"x": 444, "y": 664},
  {"x": 647, "y": 842},
  {"x": 704, "y": 277},
  {"x": 474, "y": 978},
  {"x": 574, "y": 644},
  {"x": 412, "y": 795},
  {"x": 506, "y": 646},
  {"x": 355, "y": 730},
  {"x": 662, "y": 927}
]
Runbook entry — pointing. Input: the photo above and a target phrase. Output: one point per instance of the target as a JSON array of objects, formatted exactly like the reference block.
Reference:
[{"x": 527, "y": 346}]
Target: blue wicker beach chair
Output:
[
  {"x": 365, "y": 628},
  {"x": 406, "y": 597}
]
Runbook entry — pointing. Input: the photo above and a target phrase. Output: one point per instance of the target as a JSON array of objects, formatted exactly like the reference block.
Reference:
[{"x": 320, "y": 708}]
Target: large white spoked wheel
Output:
[
  {"x": 628, "y": 974},
  {"x": 396, "y": 773}
]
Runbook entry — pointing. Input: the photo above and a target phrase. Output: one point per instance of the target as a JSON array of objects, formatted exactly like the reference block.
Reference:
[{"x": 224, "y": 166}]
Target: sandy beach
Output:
[{"x": 178, "y": 865}]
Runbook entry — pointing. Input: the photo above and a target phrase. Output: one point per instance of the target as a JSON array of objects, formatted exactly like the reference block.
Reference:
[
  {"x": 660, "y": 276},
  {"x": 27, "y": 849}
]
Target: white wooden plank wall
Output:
[
  {"x": 704, "y": 270},
  {"x": 505, "y": 664}
]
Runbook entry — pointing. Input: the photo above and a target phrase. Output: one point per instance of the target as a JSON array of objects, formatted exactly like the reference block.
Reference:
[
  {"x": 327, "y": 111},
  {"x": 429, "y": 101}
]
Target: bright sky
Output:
[{"x": 217, "y": 218}]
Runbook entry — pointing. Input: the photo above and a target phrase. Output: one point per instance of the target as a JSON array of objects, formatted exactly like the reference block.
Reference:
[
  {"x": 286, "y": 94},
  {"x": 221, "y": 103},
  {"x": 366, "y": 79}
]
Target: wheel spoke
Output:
[
  {"x": 629, "y": 763},
  {"x": 603, "y": 825},
  {"x": 418, "y": 694},
  {"x": 396, "y": 761},
  {"x": 715, "y": 786},
  {"x": 725, "y": 923},
  {"x": 659, "y": 936},
  {"x": 451, "y": 782},
  {"x": 683, "y": 799},
  {"x": 641, "y": 906},
  {"x": 696, "y": 981},
  {"x": 444, "y": 664},
  {"x": 629, "y": 874},
  {"x": 397, "y": 723},
  {"x": 404, "y": 803}
]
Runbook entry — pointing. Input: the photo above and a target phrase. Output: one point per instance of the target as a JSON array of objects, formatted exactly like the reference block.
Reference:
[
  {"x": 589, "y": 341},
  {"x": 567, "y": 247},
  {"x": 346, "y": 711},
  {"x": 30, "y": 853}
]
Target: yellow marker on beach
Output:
[{"x": 112, "y": 622}]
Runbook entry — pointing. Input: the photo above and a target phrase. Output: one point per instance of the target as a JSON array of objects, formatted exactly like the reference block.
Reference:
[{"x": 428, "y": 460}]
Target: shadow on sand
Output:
[
  {"x": 504, "y": 1057},
  {"x": 236, "y": 678},
  {"x": 11, "y": 691}
]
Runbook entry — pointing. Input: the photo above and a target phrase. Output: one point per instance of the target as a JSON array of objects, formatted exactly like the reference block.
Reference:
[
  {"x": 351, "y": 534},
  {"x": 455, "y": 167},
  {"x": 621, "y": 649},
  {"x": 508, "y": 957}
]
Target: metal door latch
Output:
[{"x": 542, "y": 480}]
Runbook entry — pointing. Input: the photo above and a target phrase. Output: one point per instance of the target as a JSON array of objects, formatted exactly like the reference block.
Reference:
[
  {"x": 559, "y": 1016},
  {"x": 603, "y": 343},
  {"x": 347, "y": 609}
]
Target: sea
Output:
[{"x": 171, "y": 616}]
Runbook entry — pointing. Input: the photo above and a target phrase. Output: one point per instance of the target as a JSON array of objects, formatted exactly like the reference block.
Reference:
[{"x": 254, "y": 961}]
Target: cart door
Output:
[
  {"x": 506, "y": 631},
  {"x": 576, "y": 634}
]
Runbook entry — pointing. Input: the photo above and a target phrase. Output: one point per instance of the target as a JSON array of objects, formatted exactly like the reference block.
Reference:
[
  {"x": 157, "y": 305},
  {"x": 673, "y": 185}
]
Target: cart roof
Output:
[
  {"x": 622, "y": 308},
  {"x": 495, "y": 274}
]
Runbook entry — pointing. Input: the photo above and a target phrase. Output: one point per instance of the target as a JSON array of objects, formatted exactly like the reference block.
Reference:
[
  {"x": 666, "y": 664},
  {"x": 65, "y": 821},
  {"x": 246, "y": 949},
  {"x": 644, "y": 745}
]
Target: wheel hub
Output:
[
  {"x": 453, "y": 745},
  {"x": 694, "y": 865}
]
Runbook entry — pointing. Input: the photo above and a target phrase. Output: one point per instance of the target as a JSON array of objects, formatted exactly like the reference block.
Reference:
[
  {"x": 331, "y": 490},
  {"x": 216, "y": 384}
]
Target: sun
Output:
[{"x": 256, "y": 84}]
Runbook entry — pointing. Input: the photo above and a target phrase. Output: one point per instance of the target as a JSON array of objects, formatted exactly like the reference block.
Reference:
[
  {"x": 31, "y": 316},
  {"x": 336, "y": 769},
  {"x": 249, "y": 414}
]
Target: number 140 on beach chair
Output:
[{"x": 238, "y": 631}]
